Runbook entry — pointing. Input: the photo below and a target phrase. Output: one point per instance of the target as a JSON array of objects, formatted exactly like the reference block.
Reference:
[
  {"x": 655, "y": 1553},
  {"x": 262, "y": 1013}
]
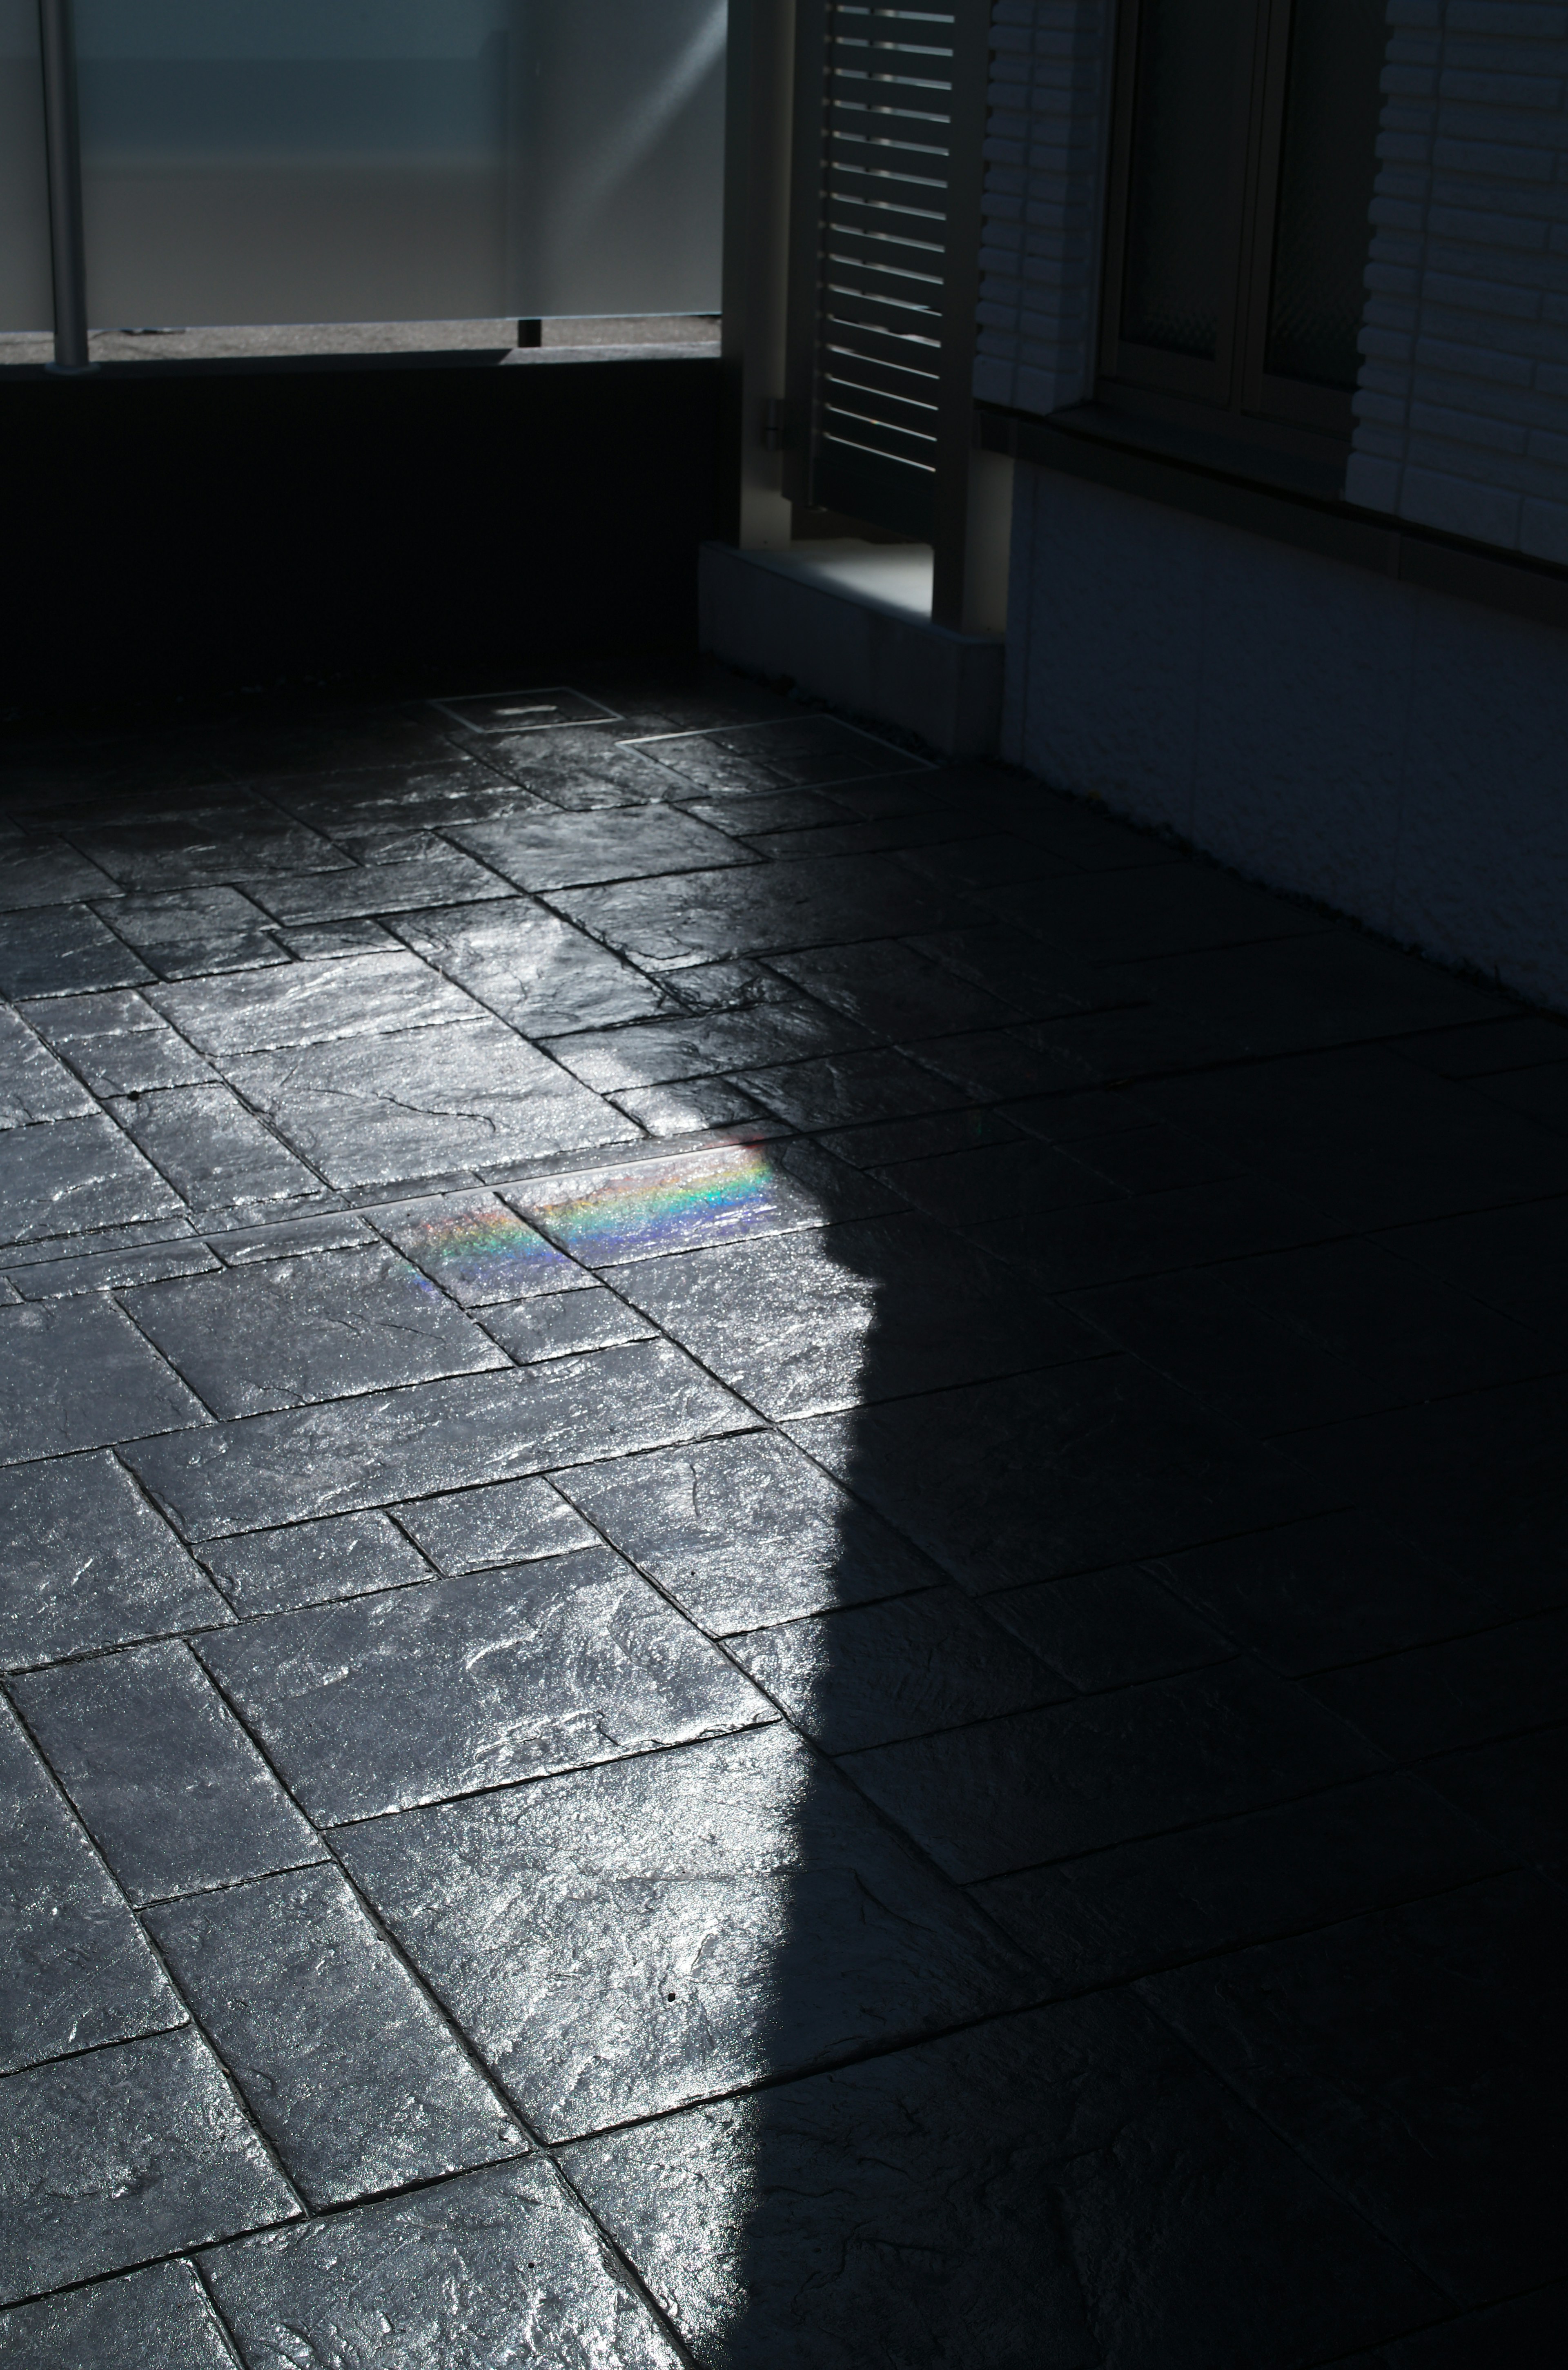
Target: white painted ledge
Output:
[{"x": 851, "y": 622}]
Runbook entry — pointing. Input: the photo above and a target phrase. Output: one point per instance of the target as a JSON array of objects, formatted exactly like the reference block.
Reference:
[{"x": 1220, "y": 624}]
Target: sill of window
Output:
[{"x": 1319, "y": 477}]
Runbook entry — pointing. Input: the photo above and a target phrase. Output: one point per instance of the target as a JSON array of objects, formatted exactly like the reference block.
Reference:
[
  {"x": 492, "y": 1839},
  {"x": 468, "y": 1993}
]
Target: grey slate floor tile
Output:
[
  {"x": 1039, "y": 1786},
  {"x": 1109, "y": 1629},
  {"x": 1248, "y": 1233},
  {"x": 609, "y": 1215},
  {"x": 559, "y": 851},
  {"x": 1132, "y": 1908},
  {"x": 76, "y": 1374},
  {"x": 1462, "y": 1691},
  {"x": 77, "y": 1972},
  {"x": 84, "y": 1562},
  {"x": 478, "y": 1530},
  {"x": 381, "y": 1107},
  {"x": 476, "y": 1249},
  {"x": 612, "y": 1938},
  {"x": 118, "y": 1042},
  {"x": 874, "y": 1673},
  {"x": 288, "y": 1331},
  {"x": 214, "y": 1152},
  {"x": 121, "y": 2156},
  {"x": 33, "y": 1085},
  {"x": 1069, "y": 2184},
  {"x": 63, "y": 950},
  {"x": 1337, "y": 1588},
  {"x": 498, "y": 2266},
  {"x": 1419, "y": 2012},
  {"x": 312, "y": 1563},
  {"x": 75, "y": 1173},
  {"x": 414, "y": 1695},
  {"x": 190, "y": 932},
  {"x": 312, "y": 1004},
  {"x": 437, "y": 1437},
  {"x": 746, "y": 1531},
  {"x": 353, "y": 2076},
  {"x": 529, "y": 967},
  {"x": 1074, "y": 1469},
  {"x": 160, "y": 2314},
  {"x": 841, "y": 1314},
  {"x": 172, "y": 1790}
]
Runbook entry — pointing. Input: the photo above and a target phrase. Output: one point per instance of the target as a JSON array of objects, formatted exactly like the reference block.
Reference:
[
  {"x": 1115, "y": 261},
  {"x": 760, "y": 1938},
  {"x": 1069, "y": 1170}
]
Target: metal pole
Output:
[{"x": 62, "y": 144}]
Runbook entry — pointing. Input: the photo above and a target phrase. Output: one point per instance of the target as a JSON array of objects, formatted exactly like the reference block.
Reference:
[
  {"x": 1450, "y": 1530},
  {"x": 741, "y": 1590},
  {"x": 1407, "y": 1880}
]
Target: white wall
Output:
[{"x": 1398, "y": 754}]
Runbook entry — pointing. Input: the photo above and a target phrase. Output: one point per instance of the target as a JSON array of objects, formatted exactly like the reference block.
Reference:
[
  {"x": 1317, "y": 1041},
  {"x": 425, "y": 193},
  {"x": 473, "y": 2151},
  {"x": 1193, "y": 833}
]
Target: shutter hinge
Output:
[{"x": 775, "y": 424}]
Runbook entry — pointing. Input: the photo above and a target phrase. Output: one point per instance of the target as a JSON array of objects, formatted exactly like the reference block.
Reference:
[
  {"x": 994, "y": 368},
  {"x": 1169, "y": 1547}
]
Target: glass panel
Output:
[
  {"x": 24, "y": 299},
  {"x": 382, "y": 160},
  {"x": 1179, "y": 275},
  {"x": 1327, "y": 164}
]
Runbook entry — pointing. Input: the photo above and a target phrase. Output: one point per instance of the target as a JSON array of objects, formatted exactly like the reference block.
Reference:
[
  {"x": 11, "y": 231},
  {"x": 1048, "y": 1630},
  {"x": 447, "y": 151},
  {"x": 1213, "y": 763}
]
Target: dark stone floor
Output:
[{"x": 783, "y": 1551}]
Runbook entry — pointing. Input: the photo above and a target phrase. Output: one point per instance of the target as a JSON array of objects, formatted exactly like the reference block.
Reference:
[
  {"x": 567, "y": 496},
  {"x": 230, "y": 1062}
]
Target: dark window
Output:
[{"x": 1243, "y": 159}]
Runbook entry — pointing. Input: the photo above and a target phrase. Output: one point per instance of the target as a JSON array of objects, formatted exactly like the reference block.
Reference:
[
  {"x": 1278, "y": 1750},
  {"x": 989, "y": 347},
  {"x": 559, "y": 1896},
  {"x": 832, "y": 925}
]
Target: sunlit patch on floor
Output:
[{"x": 644, "y": 1208}]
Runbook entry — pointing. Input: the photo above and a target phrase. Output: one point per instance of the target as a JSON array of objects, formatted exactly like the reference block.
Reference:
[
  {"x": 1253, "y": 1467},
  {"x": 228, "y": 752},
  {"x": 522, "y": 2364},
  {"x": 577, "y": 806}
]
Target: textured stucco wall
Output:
[
  {"x": 1397, "y": 753},
  {"x": 1463, "y": 400}
]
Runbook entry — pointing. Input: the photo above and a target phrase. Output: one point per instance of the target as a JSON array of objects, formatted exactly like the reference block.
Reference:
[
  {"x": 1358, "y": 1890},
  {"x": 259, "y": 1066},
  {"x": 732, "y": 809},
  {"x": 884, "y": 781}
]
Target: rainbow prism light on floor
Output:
[
  {"x": 645, "y": 1207},
  {"x": 479, "y": 1250}
]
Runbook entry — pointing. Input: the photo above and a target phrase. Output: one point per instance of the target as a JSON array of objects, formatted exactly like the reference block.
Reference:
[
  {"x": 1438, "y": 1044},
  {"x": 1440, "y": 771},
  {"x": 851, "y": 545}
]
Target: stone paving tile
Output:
[
  {"x": 1212, "y": 1889},
  {"x": 745, "y": 1531},
  {"x": 1525, "y": 2332},
  {"x": 42, "y": 871},
  {"x": 498, "y": 2266},
  {"x": 659, "y": 1051},
  {"x": 809, "y": 902},
  {"x": 123, "y": 2154},
  {"x": 1075, "y": 1469},
  {"x": 312, "y": 1563},
  {"x": 387, "y": 1701},
  {"x": 287, "y": 1331},
  {"x": 1336, "y": 1588},
  {"x": 117, "y": 1042},
  {"x": 76, "y": 1374},
  {"x": 1109, "y": 1629},
  {"x": 75, "y": 1173},
  {"x": 1416, "y": 2012},
  {"x": 840, "y": 1315},
  {"x": 77, "y": 1970},
  {"x": 615, "y": 1215},
  {"x": 1461, "y": 1691},
  {"x": 1517, "y": 1789},
  {"x": 212, "y": 1149},
  {"x": 441, "y": 875},
  {"x": 565, "y": 1322},
  {"x": 312, "y": 1004},
  {"x": 193, "y": 931},
  {"x": 1160, "y": 1108},
  {"x": 875, "y": 1674},
  {"x": 160, "y": 2314},
  {"x": 1039, "y": 1786},
  {"x": 478, "y": 1530},
  {"x": 354, "y": 2079},
  {"x": 424, "y": 1103},
  {"x": 393, "y": 1444},
  {"x": 612, "y": 1938},
  {"x": 561, "y": 851},
  {"x": 477, "y": 1249},
  {"x": 1479, "y": 1476},
  {"x": 1515, "y": 1259},
  {"x": 33, "y": 1085},
  {"x": 198, "y": 846},
  {"x": 172, "y": 1790},
  {"x": 63, "y": 950},
  {"x": 1063, "y": 2186},
  {"x": 85, "y": 1563},
  {"x": 529, "y": 967},
  {"x": 1163, "y": 910}
]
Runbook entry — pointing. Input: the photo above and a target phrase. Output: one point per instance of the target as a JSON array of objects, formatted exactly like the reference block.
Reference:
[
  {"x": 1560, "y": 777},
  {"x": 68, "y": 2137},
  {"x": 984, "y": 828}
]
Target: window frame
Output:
[{"x": 1234, "y": 393}]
